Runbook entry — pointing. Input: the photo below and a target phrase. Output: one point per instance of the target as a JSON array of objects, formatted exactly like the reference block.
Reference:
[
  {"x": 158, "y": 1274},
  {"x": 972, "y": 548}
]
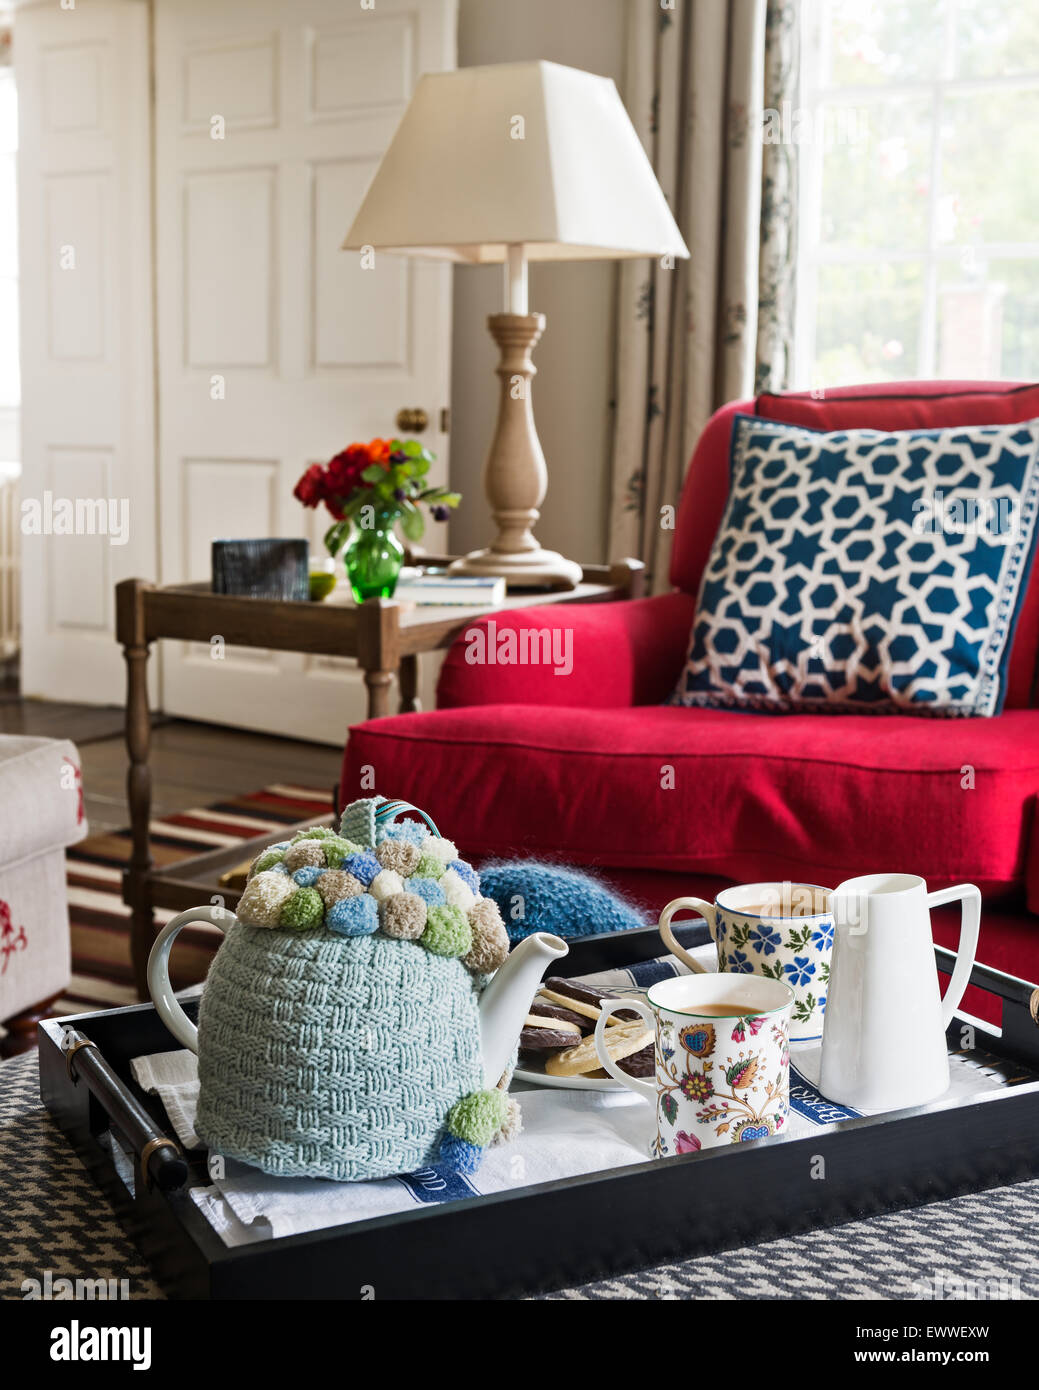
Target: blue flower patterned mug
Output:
[{"x": 781, "y": 930}]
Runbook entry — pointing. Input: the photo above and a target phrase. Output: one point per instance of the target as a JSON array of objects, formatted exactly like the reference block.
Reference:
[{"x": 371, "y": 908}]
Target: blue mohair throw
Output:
[{"x": 545, "y": 897}]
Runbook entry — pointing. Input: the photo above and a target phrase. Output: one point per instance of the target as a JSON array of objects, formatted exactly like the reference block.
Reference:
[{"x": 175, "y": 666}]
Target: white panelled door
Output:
[
  {"x": 88, "y": 442},
  {"x": 275, "y": 348}
]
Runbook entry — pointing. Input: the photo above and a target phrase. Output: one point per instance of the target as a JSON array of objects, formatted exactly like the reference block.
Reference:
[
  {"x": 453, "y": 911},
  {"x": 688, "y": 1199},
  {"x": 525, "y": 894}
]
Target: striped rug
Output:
[{"x": 100, "y": 921}]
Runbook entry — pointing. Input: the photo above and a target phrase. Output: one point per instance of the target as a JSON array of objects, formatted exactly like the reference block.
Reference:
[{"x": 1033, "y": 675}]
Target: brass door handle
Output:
[{"x": 412, "y": 419}]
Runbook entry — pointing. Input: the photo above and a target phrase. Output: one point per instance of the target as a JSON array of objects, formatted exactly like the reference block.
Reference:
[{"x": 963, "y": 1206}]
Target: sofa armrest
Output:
[{"x": 591, "y": 656}]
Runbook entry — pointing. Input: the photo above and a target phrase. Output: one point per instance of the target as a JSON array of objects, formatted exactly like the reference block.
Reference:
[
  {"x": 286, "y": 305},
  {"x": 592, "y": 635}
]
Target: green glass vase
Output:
[{"x": 373, "y": 558}]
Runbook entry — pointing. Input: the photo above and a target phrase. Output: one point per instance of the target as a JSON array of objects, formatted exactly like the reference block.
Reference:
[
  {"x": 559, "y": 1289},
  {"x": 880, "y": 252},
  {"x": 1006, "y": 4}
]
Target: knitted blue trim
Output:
[{"x": 557, "y": 900}]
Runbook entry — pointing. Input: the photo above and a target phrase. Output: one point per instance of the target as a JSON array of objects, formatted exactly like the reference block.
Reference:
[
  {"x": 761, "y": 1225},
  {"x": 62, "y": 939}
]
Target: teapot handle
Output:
[
  {"x": 970, "y": 922},
  {"x": 166, "y": 1004}
]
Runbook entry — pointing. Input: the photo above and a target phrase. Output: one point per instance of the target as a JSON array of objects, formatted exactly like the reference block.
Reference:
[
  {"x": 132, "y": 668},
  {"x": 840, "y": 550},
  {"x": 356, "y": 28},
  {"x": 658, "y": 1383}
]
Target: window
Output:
[{"x": 919, "y": 228}]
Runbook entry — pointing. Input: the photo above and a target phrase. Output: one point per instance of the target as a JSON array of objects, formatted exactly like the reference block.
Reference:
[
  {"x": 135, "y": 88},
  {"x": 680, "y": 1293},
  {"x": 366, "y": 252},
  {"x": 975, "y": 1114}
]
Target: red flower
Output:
[
  {"x": 343, "y": 477},
  {"x": 345, "y": 469},
  {"x": 340, "y": 478},
  {"x": 311, "y": 487},
  {"x": 343, "y": 473}
]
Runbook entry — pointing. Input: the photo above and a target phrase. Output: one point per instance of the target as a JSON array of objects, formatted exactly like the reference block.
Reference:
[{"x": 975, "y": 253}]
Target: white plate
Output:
[{"x": 568, "y": 1083}]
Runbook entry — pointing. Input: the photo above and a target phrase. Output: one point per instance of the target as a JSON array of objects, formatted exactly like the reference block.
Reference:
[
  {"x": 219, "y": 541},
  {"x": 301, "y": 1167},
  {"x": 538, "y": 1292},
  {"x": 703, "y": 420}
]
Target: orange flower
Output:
[{"x": 379, "y": 449}]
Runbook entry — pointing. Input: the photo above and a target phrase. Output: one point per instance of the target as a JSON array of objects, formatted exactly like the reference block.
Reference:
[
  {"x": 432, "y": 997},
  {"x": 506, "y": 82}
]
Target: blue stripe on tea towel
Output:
[
  {"x": 807, "y": 1101},
  {"x": 650, "y": 972},
  {"x": 437, "y": 1185}
]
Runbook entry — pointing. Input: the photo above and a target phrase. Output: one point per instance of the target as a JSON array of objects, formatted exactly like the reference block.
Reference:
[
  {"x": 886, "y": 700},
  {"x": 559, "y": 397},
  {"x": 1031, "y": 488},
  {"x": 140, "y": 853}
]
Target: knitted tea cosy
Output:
[
  {"x": 339, "y": 1031},
  {"x": 545, "y": 897}
]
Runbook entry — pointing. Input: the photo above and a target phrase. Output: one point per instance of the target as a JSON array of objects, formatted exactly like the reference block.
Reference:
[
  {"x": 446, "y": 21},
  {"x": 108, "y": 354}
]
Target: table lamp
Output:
[{"x": 512, "y": 163}]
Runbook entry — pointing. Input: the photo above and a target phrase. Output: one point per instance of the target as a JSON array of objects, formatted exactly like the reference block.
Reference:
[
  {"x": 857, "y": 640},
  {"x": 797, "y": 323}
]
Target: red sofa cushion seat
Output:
[{"x": 754, "y": 797}]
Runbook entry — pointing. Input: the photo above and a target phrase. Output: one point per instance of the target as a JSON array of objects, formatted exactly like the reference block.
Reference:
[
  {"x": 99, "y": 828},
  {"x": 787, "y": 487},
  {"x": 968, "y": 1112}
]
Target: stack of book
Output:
[{"x": 438, "y": 588}]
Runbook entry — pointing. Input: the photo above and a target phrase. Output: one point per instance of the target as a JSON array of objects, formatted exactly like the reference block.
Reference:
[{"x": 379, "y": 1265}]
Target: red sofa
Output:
[{"x": 593, "y": 769}]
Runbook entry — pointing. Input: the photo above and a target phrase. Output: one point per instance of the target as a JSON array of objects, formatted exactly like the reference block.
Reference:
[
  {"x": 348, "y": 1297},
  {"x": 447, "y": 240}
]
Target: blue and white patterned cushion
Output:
[{"x": 860, "y": 571}]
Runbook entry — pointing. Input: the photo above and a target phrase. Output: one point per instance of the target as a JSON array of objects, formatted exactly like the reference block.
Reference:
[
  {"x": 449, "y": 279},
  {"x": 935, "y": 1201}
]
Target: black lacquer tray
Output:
[{"x": 551, "y": 1235}]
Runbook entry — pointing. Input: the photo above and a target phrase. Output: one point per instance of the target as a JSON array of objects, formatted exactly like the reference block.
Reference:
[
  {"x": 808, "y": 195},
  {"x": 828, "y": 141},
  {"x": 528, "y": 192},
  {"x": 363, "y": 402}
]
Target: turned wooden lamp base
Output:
[
  {"x": 529, "y": 569},
  {"x": 515, "y": 476}
]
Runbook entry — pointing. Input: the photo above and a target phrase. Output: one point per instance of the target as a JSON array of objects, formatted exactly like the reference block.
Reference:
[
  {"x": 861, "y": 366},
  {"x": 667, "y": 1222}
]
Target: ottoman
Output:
[{"x": 41, "y": 811}]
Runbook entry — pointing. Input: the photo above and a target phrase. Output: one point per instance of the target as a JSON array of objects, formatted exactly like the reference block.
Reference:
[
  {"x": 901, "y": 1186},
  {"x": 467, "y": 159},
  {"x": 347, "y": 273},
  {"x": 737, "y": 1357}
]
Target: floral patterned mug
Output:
[
  {"x": 722, "y": 1060},
  {"x": 781, "y": 930}
]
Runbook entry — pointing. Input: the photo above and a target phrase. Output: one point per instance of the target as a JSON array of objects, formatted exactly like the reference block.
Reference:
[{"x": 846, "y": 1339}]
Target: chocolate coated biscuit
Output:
[
  {"x": 545, "y": 1040},
  {"x": 640, "y": 1064},
  {"x": 573, "y": 989},
  {"x": 542, "y": 1010},
  {"x": 622, "y": 1041}
]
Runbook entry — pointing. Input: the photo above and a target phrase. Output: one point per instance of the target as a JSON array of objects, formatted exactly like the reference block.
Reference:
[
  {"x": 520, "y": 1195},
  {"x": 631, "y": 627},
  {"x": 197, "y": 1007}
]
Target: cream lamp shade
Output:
[
  {"x": 531, "y": 154},
  {"x": 510, "y": 163}
]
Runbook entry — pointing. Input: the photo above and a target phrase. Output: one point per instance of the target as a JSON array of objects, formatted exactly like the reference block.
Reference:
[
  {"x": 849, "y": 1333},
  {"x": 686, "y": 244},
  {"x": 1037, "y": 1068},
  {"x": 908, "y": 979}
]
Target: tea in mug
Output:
[
  {"x": 723, "y": 1010},
  {"x": 773, "y": 909}
]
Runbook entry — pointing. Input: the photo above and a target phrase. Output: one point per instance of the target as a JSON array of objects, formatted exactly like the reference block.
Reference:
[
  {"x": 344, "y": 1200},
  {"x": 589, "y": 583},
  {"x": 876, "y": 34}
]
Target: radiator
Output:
[{"x": 10, "y": 538}]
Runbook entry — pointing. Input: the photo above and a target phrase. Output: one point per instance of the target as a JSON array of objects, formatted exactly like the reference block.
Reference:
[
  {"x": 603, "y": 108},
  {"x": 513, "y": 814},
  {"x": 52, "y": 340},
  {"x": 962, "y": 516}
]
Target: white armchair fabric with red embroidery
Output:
[{"x": 41, "y": 811}]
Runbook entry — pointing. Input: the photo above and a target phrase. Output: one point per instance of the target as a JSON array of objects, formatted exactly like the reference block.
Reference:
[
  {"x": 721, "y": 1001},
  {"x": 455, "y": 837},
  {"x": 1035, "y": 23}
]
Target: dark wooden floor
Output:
[
  {"x": 195, "y": 764},
  {"x": 53, "y": 718},
  {"x": 192, "y": 764}
]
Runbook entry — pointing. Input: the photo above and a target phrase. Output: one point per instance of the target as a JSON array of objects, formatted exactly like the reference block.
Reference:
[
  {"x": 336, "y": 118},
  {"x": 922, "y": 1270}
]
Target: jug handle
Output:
[
  {"x": 970, "y": 924},
  {"x": 166, "y": 1004},
  {"x": 697, "y": 905}
]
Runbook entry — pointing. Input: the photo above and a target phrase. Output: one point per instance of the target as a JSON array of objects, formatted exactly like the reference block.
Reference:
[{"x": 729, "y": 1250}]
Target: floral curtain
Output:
[{"x": 701, "y": 74}]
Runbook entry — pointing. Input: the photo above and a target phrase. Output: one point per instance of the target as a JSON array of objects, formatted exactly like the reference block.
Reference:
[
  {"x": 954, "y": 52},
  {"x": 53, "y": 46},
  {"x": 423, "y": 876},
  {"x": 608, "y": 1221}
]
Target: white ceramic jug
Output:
[{"x": 884, "y": 1042}]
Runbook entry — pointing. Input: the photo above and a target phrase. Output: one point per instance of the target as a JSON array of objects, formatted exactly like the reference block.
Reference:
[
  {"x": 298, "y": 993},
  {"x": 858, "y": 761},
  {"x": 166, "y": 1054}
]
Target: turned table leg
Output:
[
  {"x": 378, "y": 651},
  {"x": 131, "y": 632},
  {"x": 409, "y": 701},
  {"x": 378, "y": 685}
]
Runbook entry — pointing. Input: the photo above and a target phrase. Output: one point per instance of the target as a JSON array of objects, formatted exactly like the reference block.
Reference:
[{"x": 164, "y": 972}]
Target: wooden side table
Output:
[{"x": 382, "y": 636}]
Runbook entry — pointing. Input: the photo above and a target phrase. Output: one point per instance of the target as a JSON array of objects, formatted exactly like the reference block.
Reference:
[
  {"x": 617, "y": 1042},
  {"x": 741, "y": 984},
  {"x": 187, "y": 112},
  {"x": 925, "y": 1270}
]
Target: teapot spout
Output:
[{"x": 506, "y": 1001}]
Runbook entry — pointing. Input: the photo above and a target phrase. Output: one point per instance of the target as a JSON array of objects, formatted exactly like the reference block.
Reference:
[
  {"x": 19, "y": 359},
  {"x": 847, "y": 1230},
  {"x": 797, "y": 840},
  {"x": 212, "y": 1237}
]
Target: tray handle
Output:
[
  {"x": 167, "y": 1006},
  {"x": 160, "y": 1158}
]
